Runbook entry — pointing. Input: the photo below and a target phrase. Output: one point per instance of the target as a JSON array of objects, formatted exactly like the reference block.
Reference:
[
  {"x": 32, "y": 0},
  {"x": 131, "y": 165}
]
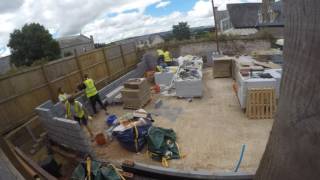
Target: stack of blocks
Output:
[
  {"x": 63, "y": 131},
  {"x": 222, "y": 68},
  {"x": 136, "y": 93}
]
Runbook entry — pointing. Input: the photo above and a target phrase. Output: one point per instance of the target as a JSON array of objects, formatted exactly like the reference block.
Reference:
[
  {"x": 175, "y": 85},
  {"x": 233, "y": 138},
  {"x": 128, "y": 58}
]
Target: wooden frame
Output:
[{"x": 261, "y": 103}]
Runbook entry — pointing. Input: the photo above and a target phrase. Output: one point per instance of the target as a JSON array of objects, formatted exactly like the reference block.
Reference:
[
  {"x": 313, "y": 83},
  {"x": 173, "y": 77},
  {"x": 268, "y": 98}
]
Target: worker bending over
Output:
[
  {"x": 76, "y": 111},
  {"x": 92, "y": 93},
  {"x": 62, "y": 96}
]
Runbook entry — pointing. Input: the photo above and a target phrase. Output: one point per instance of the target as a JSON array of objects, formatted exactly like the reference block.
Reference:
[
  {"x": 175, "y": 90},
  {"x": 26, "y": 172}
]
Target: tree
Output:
[
  {"x": 181, "y": 31},
  {"x": 33, "y": 42},
  {"x": 293, "y": 148}
]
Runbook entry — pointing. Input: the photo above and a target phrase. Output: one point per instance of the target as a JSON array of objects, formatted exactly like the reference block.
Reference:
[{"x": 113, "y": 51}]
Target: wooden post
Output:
[
  {"x": 216, "y": 24},
  {"x": 78, "y": 64},
  {"x": 45, "y": 75},
  {"x": 106, "y": 61},
  {"x": 122, "y": 57},
  {"x": 136, "y": 53}
]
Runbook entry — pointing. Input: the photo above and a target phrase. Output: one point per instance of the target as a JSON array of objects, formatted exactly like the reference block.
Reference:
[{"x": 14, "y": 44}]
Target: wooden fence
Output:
[{"x": 23, "y": 91}]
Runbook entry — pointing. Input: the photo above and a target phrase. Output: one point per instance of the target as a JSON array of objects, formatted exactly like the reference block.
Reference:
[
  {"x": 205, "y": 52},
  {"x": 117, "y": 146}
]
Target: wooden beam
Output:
[{"x": 34, "y": 165}]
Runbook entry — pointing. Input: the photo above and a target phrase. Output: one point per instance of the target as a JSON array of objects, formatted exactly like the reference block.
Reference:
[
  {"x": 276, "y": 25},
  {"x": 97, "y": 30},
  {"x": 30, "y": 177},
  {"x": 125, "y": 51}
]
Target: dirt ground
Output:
[{"x": 210, "y": 131}]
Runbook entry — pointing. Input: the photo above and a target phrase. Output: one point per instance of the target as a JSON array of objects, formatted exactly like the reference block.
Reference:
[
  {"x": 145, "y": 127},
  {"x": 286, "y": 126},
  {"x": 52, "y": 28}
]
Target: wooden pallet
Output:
[{"x": 261, "y": 103}]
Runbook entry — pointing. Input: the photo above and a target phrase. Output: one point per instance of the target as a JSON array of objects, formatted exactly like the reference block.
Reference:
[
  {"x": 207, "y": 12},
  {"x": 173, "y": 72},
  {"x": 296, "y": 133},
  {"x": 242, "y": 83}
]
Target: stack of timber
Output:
[{"x": 136, "y": 93}]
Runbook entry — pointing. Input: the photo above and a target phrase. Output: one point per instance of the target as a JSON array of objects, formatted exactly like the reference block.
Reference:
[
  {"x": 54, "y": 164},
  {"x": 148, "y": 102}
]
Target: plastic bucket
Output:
[
  {"x": 112, "y": 119},
  {"x": 100, "y": 139}
]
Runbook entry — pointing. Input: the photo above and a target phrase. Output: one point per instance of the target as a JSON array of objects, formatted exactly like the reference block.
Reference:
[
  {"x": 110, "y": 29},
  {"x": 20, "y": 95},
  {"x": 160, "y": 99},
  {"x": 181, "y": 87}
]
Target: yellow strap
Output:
[
  {"x": 178, "y": 149},
  {"x": 68, "y": 113},
  {"x": 136, "y": 137},
  {"x": 88, "y": 168},
  {"x": 164, "y": 162},
  {"x": 181, "y": 156},
  {"x": 147, "y": 153},
  {"x": 116, "y": 170}
]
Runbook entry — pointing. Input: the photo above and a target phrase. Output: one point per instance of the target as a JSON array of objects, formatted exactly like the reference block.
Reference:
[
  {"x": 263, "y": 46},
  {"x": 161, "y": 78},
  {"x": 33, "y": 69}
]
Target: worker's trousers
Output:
[{"x": 93, "y": 100}]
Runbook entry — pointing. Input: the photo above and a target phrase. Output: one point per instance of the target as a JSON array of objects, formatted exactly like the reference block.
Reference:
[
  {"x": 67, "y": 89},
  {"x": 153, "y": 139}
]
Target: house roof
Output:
[
  {"x": 71, "y": 41},
  {"x": 244, "y": 15}
]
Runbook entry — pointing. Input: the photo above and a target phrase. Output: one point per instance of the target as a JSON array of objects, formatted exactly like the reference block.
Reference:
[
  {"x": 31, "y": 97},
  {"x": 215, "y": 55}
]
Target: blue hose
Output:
[{"x": 241, "y": 157}]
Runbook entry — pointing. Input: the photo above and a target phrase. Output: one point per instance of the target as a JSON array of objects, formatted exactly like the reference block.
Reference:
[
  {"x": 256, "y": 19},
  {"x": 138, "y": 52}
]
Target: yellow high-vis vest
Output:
[
  {"x": 90, "y": 88},
  {"x": 62, "y": 97},
  {"x": 77, "y": 108},
  {"x": 167, "y": 57},
  {"x": 160, "y": 52}
]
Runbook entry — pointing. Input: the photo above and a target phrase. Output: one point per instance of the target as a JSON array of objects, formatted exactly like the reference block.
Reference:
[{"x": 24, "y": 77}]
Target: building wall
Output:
[
  {"x": 79, "y": 48},
  {"x": 5, "y": 64},
  {"x": 277, "y": 32}
]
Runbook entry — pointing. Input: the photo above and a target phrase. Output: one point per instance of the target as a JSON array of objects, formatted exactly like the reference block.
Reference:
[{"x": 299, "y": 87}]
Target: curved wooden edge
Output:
[{"x": 170, "y": 173}]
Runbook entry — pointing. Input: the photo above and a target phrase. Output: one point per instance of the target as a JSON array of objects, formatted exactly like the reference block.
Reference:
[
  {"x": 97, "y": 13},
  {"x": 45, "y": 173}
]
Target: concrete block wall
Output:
[
  {"x": 136, "y": 73},
  {"x": 63, "y": 131},
  {"x": 68, "y": 132}
]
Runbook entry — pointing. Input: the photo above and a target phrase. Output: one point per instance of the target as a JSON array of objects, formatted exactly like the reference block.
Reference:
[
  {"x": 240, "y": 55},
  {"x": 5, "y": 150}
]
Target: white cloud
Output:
[
  {"x": 163, "y": 4},
  {"x": 68, "y": 17},
  {"x": 202, "y": 8}
]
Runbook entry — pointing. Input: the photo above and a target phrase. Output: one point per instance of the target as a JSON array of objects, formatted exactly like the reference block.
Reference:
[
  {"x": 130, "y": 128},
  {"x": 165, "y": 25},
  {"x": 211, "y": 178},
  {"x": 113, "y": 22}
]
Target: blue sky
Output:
[
  {"x": 105, "y": 20},
  {"x": 175, "y": 5}
]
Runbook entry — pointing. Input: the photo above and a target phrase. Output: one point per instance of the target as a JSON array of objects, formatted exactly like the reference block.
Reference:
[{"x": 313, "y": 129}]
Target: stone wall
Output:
[
  {"x": 206, "y": 48},
  {"x": 277, "y": 32},
  {"x": 227, "y": 47}
]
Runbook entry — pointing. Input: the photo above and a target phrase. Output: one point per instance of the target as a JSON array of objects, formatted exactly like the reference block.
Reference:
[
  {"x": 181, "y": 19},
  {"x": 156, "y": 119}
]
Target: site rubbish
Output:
[
  {"x": 132, "y": 132},
  {"x": 97, "y": 171},
  {"x": 162, "y": 145}
]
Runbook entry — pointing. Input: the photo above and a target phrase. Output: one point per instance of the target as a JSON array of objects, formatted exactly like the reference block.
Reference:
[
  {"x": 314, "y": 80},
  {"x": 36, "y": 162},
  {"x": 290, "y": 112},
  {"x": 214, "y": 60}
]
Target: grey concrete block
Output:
[
  {"x": 163, "y": 78},
  {"x": 110, "y": 97},
  {"x": 59, "y": 110},
  {"x": 67, "y": 123},
  {"x": 46, "y": 105},
  {"x": 189, "y": 88}
]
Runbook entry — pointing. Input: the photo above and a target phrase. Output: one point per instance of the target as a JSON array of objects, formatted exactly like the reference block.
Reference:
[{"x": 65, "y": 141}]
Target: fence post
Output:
[
  {"x": 136, "y": 53},
  {"x": 78, "y": 64},
  {"x": 45, "y": 75},
  {"x": 106, "y": 61},
  {"x": 122, "y": 57}
]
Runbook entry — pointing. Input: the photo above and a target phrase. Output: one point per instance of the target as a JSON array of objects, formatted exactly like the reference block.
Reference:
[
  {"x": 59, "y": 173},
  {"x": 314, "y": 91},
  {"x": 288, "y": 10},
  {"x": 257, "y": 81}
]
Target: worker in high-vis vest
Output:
[
  {"x": 76, "y": 111},
  {"x": 62, "y": 96},
  {"x": 167, "y": 57},
  {"x": 160, "y": 63},
  {"x": 92, "y": 94},
  {"x": 160, "y": 53}
]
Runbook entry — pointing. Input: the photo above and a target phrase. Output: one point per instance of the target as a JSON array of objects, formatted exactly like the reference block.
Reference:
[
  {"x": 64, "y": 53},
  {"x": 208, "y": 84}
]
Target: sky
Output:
[{"x": 105, "y": 20}]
